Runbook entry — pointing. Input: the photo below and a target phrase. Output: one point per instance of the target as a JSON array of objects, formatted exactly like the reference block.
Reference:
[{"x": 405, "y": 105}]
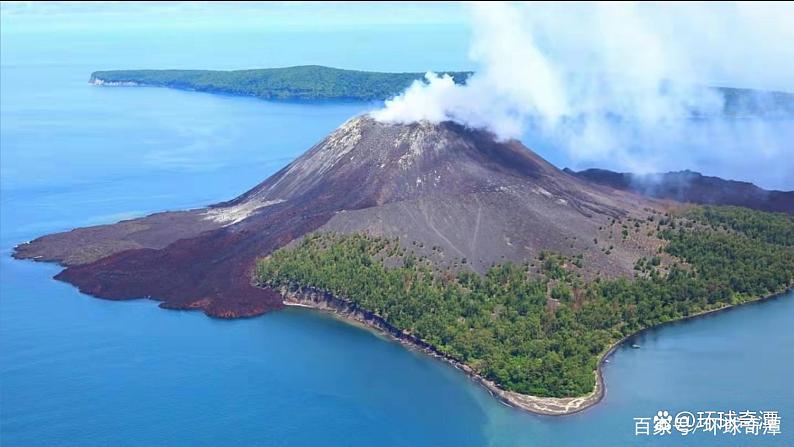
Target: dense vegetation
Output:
[
  {"x": 311, "y": 82},
  {"x": 775, "y": 228},
  {"x": 543, "y": 334}
]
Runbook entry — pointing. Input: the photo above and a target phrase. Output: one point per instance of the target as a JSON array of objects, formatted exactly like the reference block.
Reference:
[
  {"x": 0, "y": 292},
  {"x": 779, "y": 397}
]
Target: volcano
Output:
[{"x": 457, "y": 195}]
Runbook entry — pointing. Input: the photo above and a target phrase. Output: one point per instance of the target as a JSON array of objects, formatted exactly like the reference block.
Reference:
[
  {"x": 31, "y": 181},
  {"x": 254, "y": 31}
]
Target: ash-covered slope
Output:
[
  {"x": 693, "y": 187},
  {"x": 433, "y": 185},
  {"x": 365, "y": 163}
]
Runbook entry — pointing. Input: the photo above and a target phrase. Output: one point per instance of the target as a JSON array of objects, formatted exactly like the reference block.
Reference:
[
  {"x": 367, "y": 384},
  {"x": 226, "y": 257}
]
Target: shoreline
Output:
[
  {"x": 311, "y": 298},
  {"x": 315, "y": 299}
]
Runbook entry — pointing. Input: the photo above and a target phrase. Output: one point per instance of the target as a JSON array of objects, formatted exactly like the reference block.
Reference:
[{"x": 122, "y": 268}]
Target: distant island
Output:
[
  {"x": 307, "y": 82},
  {"x": 319, "y": 83}
]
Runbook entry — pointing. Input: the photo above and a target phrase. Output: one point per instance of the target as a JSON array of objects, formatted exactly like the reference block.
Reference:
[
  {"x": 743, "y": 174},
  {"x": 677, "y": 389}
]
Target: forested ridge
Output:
[{"x": 539, "y": 328}]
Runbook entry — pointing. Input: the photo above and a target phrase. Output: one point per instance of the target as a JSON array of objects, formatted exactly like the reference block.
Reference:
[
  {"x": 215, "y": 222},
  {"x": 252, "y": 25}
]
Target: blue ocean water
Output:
[{"x": 75, "y": 370}]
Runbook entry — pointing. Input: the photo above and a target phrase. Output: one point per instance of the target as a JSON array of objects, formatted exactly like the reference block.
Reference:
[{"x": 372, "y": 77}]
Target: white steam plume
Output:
[{"x": 613, "y": 82}]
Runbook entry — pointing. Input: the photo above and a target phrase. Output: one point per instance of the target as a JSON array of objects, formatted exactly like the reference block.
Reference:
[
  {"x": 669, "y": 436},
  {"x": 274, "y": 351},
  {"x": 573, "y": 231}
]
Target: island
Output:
[
  {"x": 474, "y": 250},
  {"x": 302, "y": 83}
]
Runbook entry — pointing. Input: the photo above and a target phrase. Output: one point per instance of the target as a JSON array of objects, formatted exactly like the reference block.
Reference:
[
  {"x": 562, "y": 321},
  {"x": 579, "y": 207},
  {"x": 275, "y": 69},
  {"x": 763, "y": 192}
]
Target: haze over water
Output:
[{"x": 75, "y": 370}]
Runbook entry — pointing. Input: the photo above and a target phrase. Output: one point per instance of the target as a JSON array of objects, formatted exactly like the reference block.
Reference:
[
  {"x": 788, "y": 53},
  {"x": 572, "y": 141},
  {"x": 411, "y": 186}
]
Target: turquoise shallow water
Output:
[{"x": 75, "y": 370}]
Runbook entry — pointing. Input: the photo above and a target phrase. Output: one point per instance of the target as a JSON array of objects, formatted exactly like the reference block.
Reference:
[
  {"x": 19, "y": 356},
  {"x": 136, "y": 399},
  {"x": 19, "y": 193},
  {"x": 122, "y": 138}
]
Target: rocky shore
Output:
[
  {"x": 99, "y": 81},
  {"x": 309, "y": 297}
]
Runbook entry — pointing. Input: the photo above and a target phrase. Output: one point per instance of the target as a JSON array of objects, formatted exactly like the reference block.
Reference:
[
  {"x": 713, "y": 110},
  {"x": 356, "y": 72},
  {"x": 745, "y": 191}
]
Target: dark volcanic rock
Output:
[
  {"x": 693, "y": 187},
  {"x": 432, "y": 185},
  {"x": 211, "y": 271},
  {"x": 84, "y": 245}
]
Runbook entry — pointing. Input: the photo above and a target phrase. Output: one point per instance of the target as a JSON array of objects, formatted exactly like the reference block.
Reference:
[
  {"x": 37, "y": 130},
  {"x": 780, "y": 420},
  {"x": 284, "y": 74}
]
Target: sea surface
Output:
[{"x": 75, "y": 370}]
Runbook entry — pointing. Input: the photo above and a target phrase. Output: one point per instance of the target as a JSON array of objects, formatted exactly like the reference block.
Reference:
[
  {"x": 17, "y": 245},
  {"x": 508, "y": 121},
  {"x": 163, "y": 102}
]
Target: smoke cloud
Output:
[{"x": 619, "y": 84}]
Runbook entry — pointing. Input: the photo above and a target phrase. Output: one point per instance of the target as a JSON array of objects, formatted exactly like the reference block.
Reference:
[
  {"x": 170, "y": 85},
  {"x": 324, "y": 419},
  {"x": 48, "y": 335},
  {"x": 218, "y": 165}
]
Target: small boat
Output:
[{"x": 635, "y": 346}]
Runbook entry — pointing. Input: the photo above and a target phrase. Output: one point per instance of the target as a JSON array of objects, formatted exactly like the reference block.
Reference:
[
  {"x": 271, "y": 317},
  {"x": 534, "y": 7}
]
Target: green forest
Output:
[
  {"x": 310, "y": 82},
  {"x": 544, "y": 333}
]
